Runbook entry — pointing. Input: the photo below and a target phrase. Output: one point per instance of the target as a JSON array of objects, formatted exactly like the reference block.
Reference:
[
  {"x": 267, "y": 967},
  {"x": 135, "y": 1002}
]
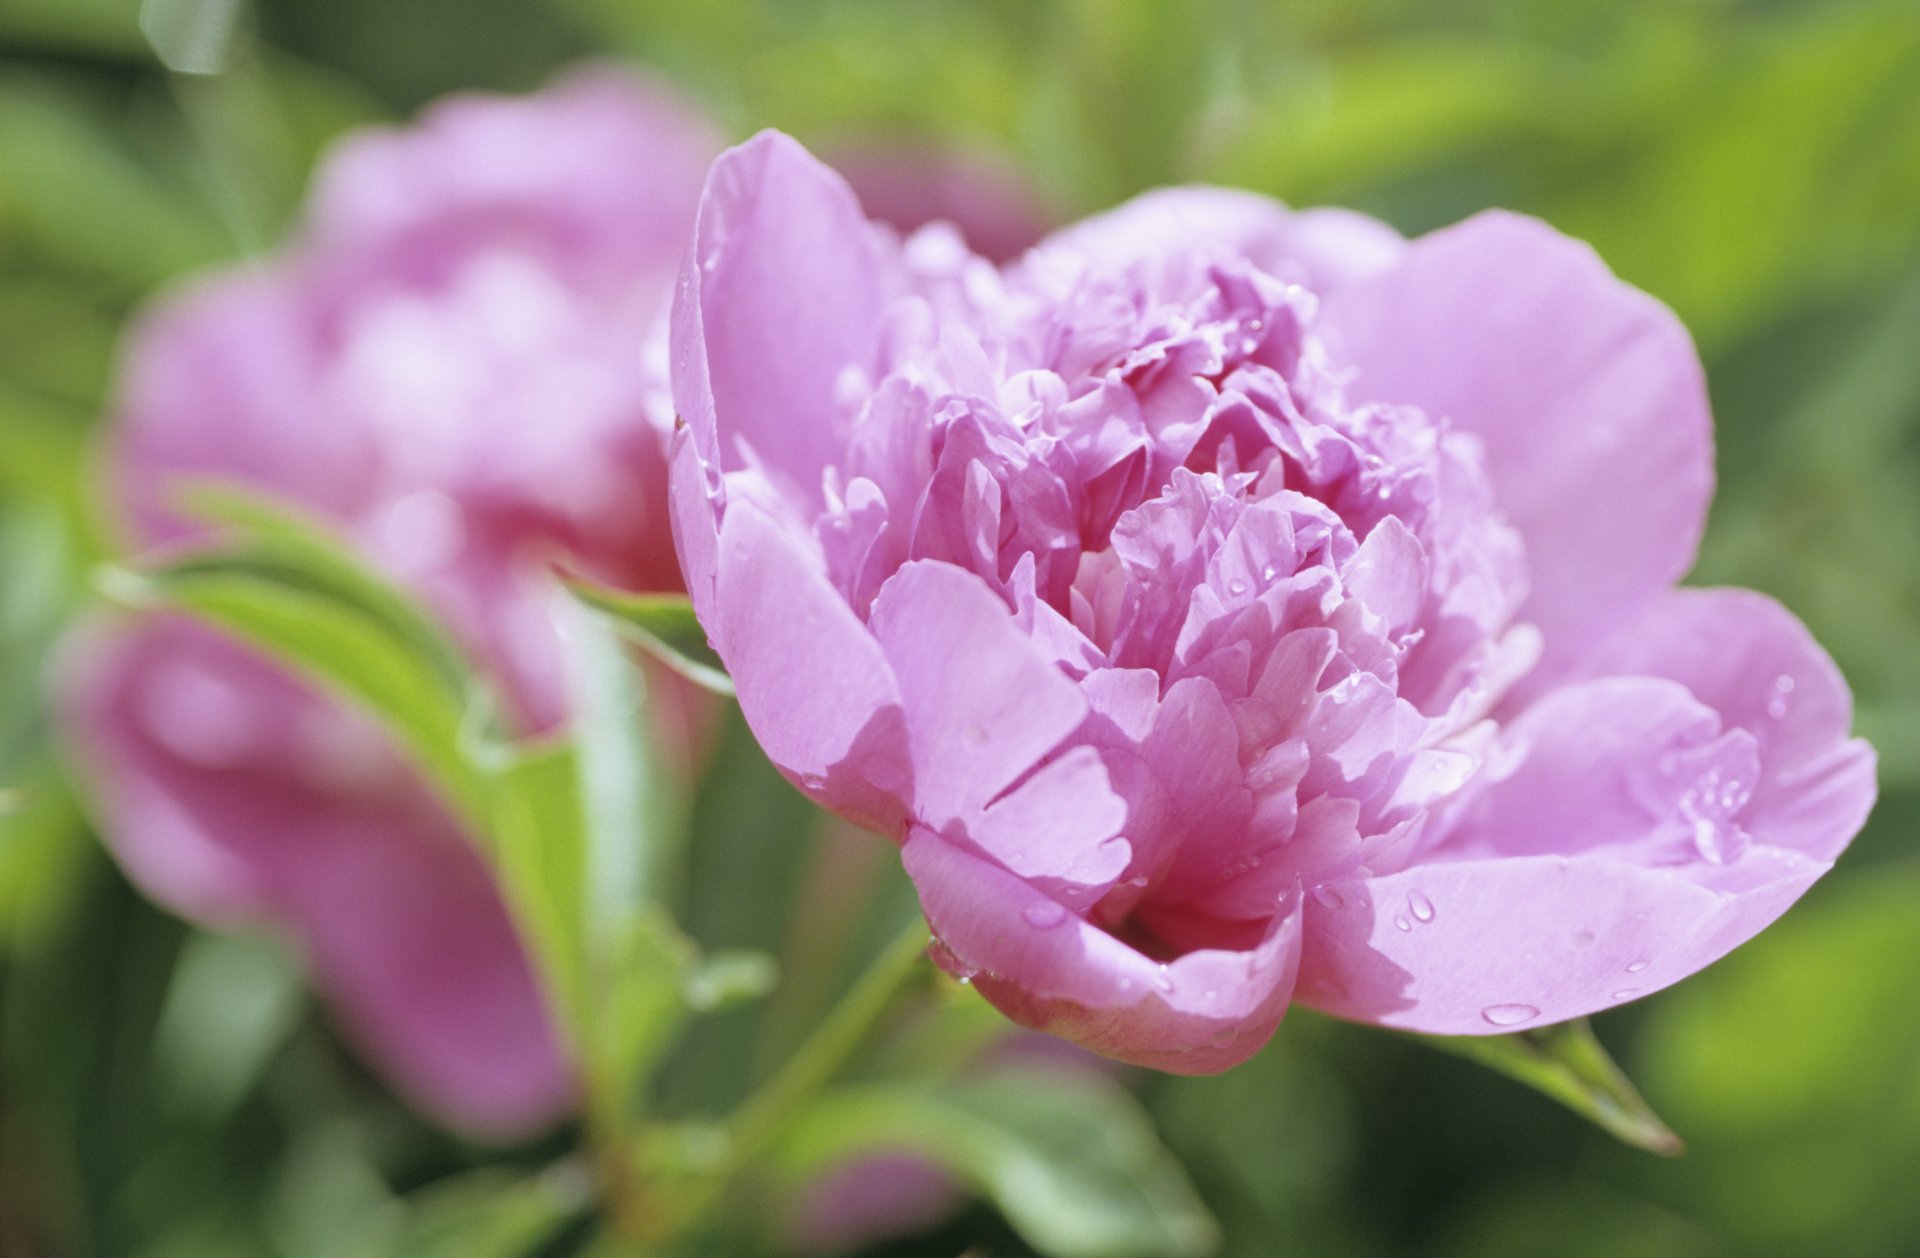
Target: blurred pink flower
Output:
[
  {"x": 1225, "y": 606},
  {"x": 448, "y": 366}
]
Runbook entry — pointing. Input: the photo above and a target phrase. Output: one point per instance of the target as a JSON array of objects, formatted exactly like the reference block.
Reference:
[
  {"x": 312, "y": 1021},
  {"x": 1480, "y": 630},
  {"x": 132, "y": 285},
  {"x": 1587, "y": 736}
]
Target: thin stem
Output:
[
  {"x": 762, "y": 1117},
  {"x": 764, "y": 1114}
]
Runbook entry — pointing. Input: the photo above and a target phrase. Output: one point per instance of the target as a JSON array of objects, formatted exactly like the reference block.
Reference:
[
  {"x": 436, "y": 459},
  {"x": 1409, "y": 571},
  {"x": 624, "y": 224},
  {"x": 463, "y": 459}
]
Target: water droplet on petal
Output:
[
  {"x": 1400, "y": 922},
  {"x": 1634, "y": 967},
  {"x": 1421, "y": 906},
  {"x": 1784, "y": 684},
  {"x": 1044, "y": 914},
  {"x": 1625, "y": 993},
  {"x": 1236, "y": 587},
  {"x": 1329, "y": 897},
  {"x": 1269, "y": 572},
  {"x": 966, "y": 980},
  {"x": 1776, "y": 707},
  {"x": 1509, "y": 1015},
  {"x": 1162, "y": 979}
]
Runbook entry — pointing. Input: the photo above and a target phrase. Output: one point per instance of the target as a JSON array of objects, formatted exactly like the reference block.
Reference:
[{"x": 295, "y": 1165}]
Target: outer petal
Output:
[
  {"x": 813, "y": 684},
  {"x": 1588, "y": 396},
  {"x": 599, "y": 174},
  {"x": 220, "y": 381},
  {"x": 1530, "y": 923},
  {"x": 1752, "y": 661},
  {"x": 983, "y": 704},
  {"x": 781, "y": 293},
  {"x": 1324, "y": 249},
  {"x": 221, "y": 810},
  {"x": 1485, "y": 946},
  {"x": 1048, "y": 969}
]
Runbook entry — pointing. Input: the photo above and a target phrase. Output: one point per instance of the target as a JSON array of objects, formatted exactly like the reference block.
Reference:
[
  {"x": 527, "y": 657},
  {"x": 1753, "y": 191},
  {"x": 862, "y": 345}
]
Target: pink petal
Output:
[
  {"x": 1587, "y": 393},
  {"x": 1485, "y": 946},
  {"x": 1555, "y": 890},
  {"x": 780, "y": 294},
  {"x": 983, "y": 704},
  {"x": 1753, "y": 662},
  {"x": 1048, "y": 969},
  {"x": 813, "y": 684},
  {"x": 219, "y": 382},
  {"x": 1323, "y": 249},
  {"x": 220, "y": 812}
]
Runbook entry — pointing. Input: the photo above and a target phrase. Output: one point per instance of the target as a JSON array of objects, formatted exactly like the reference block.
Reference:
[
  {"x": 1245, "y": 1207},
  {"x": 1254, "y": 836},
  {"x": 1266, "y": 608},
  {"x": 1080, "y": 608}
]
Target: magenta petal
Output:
[
  {"x": 227, "y": 809},
  {"x": 1587, "y": 393},
  {"x": 1048, "y": 969},
  {"x": 219, "y": 382},
  {"x": 1484, "y": 946},
  {"x": 1753, "y": 662},
  {"x": 781, "y": 293},
  {"x": 813, "y": 684},
  {"x": 983, "y": 703},
  {"x": 1323, "y": 248}
]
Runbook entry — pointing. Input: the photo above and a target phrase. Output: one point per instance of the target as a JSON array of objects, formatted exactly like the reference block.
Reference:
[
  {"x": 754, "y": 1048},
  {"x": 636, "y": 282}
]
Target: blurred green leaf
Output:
[
  {"x": 281, "y": 582},
  {"x": 484, "y": 1214},
  {"x": 232, "y": 1002},
  {"x": 538, "y": 843},
  {"x": 664, "y": 624},
  {"x": 1795, "y": 1062},
  {"x": 191, "y": 36},
  {"x": 1566, "y": 1062},
  {"x": 726, "y": 979},
  {"x": 72, "y": 186},
  {"x": 1068, "y": 1159}
]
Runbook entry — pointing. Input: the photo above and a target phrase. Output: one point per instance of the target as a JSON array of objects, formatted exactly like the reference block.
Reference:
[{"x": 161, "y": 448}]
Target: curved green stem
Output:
[
  {"x": 762, "y": 1117},
  {"x": 764, "y": 1114}
]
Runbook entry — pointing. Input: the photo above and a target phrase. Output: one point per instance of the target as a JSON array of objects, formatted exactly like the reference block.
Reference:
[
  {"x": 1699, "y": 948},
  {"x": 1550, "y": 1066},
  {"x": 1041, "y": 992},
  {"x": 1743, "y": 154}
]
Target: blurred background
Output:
[{"x": 1755, "y": 164}]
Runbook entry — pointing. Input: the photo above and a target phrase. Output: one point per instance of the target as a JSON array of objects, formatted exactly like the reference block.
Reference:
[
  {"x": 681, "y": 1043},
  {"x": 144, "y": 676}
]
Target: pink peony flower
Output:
[
  {"x": 1224, "y": 606},
  {"x": 447, "y": 367}
]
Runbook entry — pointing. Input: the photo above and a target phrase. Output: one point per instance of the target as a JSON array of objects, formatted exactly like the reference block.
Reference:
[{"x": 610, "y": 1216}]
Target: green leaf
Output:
[
  {"x": 537, "y": 837},
  {"x": 726, "y": 979},
  {"x": 1567, "y": 1063},
  {"x": 1070, "y": 1160},
  {"x": 665, "y": 625},
  {"x": 482, "y": 1214},
  {"x": 280, "y": 582}
]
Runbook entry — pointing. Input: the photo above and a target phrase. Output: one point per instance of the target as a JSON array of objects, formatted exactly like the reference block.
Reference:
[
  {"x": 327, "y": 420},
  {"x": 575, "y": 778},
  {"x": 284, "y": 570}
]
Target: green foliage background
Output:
[{"x": 1755, "y": 164}]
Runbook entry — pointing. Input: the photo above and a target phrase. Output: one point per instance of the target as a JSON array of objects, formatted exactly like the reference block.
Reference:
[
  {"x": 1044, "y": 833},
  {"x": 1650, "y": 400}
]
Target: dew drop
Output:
[
  {"x": 1400, "y": 922},
  {"x": 1236, "y": 587},
  {"x": 1784, "y": 684},
  {"x": 1509, "y": 1015},
  {"x": 1421, "y": 906},
  {"x": 1044, "y": 914},
  {"x": 1625, "y": 993},
  {"x": 1162, "y": 979},
  {"x": 966, "y": 980},
  {"x": 1634, "y": 967},
  {"x": 1269, "y": 572},
  {"x": 1776, "y": 707},
  {"x": 1329, "y": 898}
]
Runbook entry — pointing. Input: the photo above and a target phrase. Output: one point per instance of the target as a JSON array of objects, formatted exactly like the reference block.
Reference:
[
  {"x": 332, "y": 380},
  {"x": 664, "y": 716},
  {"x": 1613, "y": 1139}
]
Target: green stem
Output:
[
  {"x": 762, "y": 1117},
  {"x": 764, "y": 1114}
]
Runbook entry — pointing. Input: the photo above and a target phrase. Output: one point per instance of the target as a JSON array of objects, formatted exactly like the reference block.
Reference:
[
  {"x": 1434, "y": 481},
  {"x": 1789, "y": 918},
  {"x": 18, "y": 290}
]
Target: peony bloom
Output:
[
  {"x": 444, "y": 367},
  {"x": 1224, "y": 606}
]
